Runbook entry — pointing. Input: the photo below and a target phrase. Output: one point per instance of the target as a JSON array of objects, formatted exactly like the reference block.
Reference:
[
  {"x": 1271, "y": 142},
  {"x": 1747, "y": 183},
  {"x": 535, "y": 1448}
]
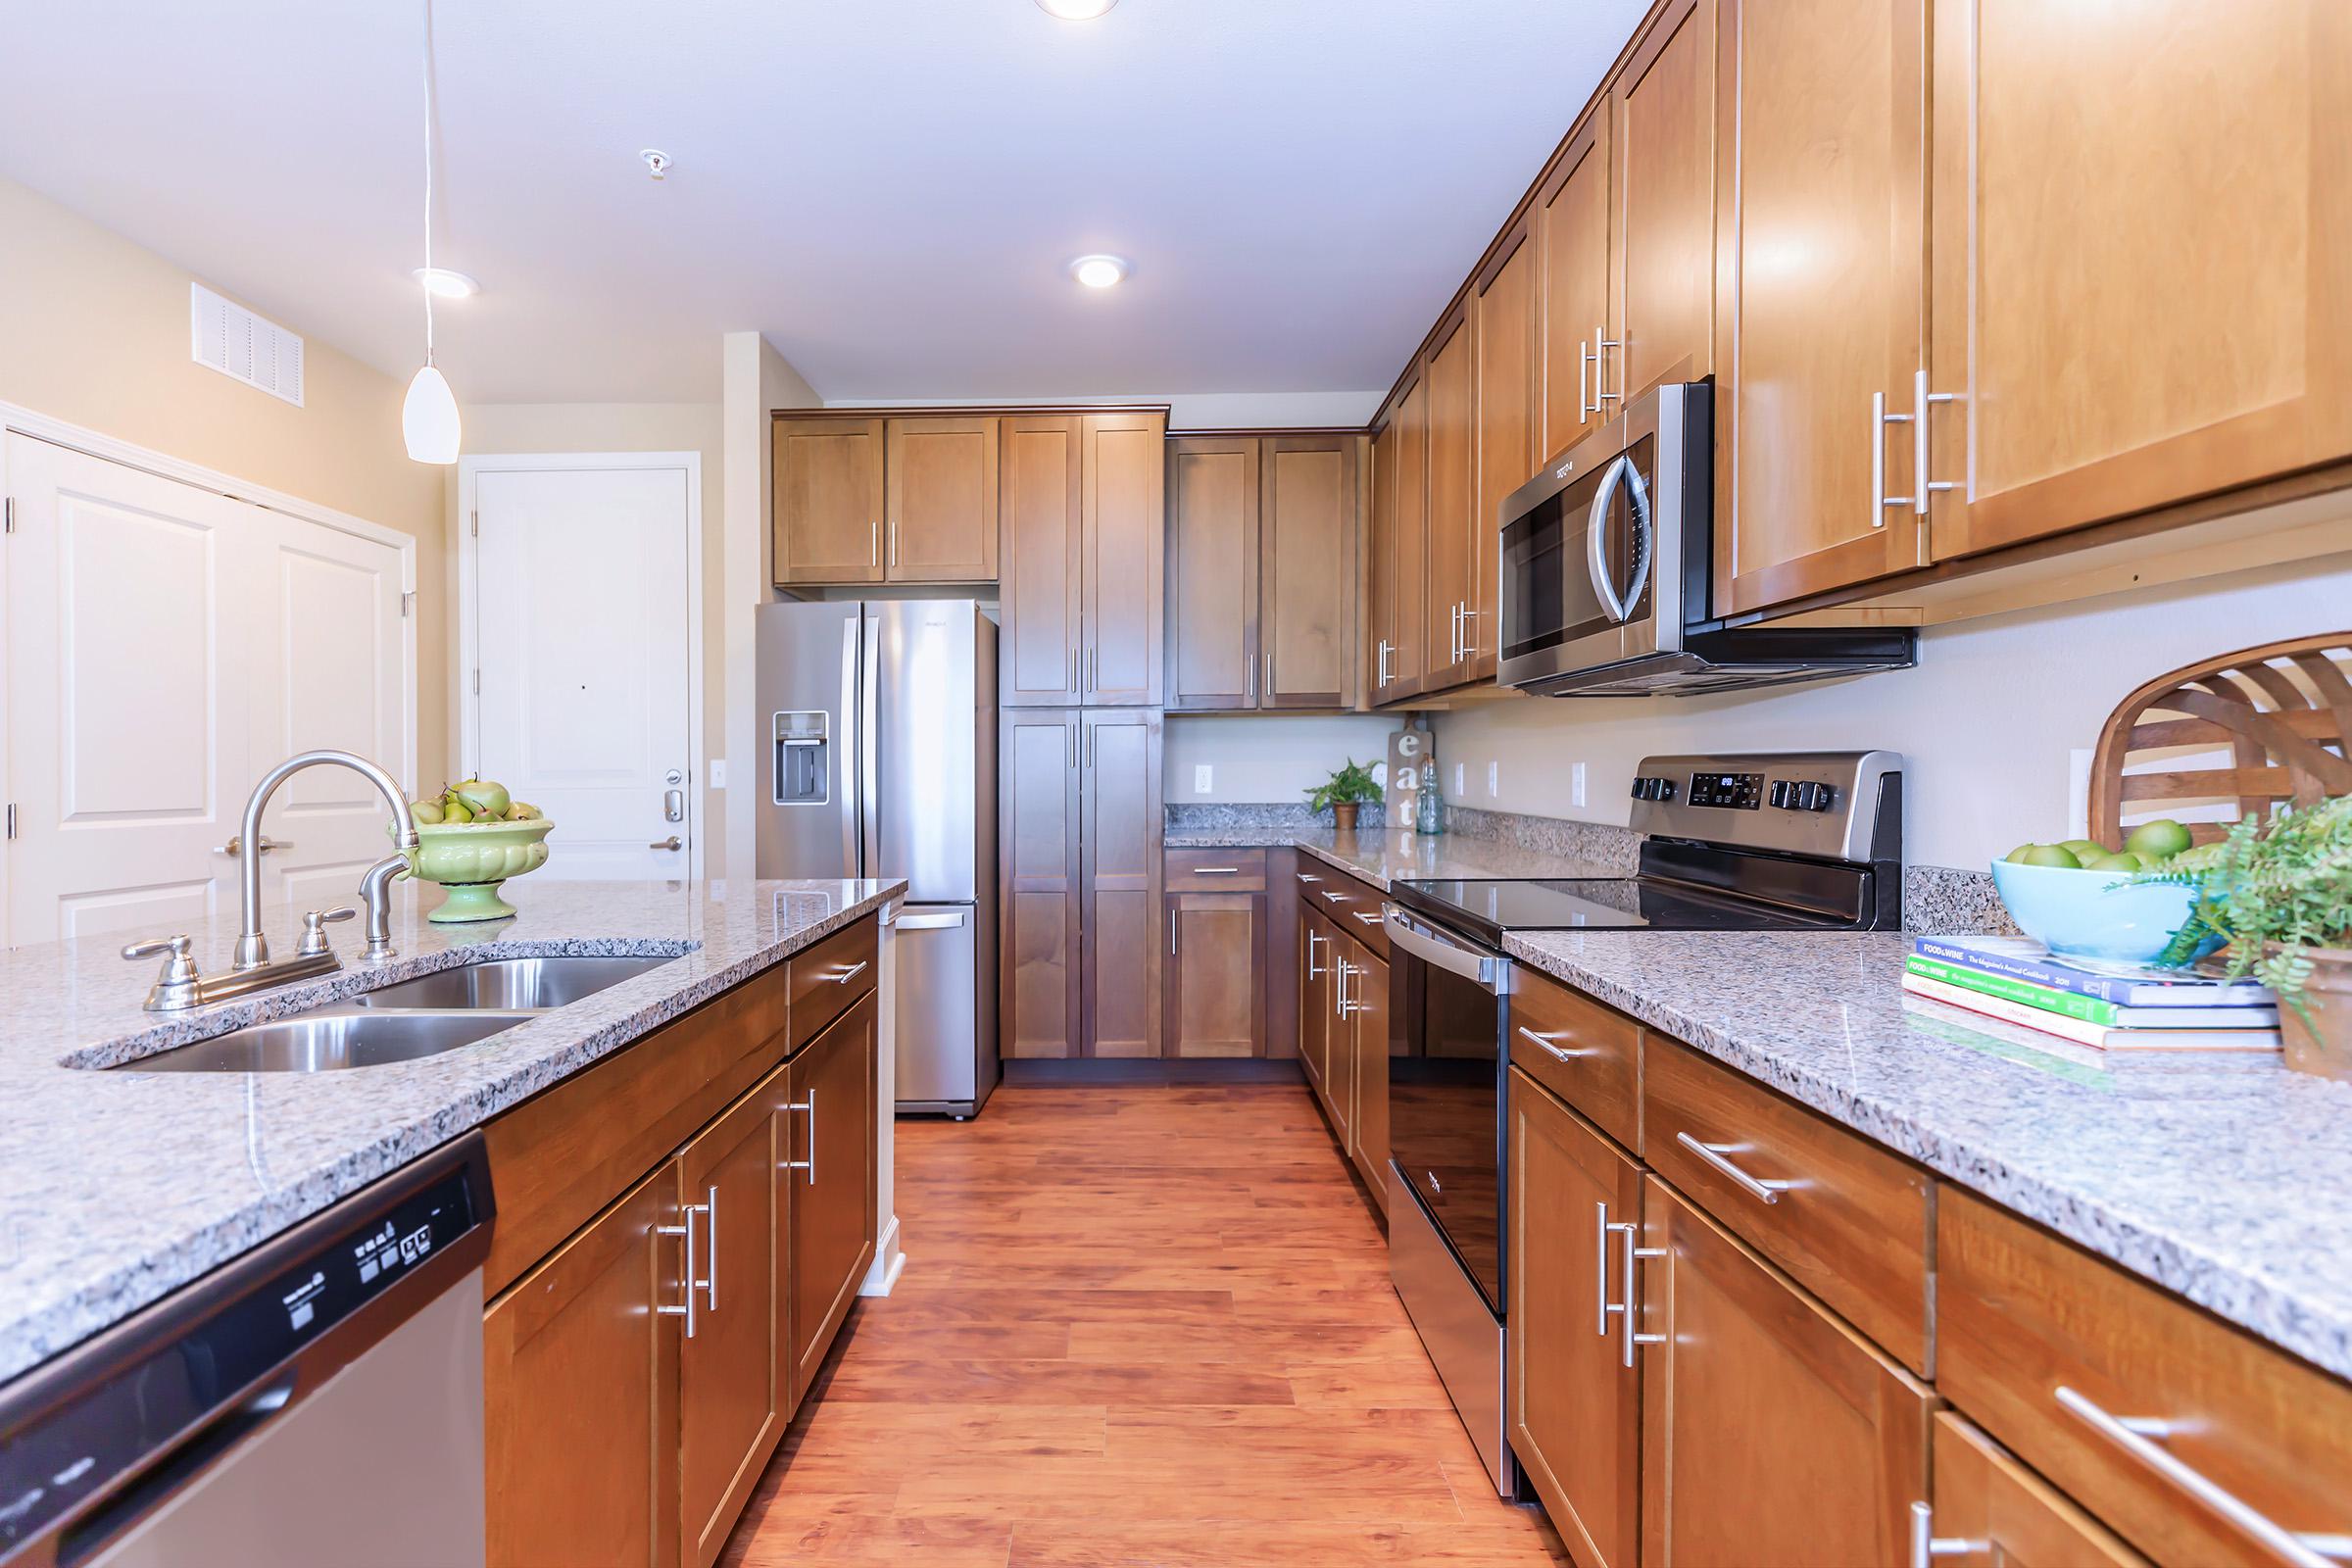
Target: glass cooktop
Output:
[{"x": 1489, "y": 909}]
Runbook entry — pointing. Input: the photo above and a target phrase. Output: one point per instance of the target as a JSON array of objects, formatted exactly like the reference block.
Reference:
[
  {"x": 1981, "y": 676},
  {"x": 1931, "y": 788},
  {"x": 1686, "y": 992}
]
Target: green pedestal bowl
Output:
[{"x": 471, "y": 859}]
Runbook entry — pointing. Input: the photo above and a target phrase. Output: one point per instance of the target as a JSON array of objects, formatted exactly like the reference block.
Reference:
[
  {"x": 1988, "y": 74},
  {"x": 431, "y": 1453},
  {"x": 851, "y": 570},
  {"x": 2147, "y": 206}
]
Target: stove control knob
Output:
[
  {"x": 1640, "y": 789},
  {"x": 1780, "y": 793},
  {"x": 1802, "y": 796},
  {"x": 1824, "y": 795},
  {"x": 1661, "y": 789}
]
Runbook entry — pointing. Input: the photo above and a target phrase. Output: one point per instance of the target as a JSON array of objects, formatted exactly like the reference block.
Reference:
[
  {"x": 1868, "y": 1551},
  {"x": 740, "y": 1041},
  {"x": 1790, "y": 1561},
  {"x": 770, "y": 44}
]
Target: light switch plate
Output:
[
  {"x": 1494, "y": 777},
  {"x": 1201, "y": 773},
  {"x": 718, "y": 773},
  {"x": 1461, "y": 773},
  {"x": 1576, "y": 784}
]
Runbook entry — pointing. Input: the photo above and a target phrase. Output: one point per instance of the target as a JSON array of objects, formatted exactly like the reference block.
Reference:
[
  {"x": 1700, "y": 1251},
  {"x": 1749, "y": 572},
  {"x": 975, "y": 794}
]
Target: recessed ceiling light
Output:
[
  {"x": 1098, "y": 272},
  {"x": 1075, "y": 10},
  {"x": 447, "y": 284}
]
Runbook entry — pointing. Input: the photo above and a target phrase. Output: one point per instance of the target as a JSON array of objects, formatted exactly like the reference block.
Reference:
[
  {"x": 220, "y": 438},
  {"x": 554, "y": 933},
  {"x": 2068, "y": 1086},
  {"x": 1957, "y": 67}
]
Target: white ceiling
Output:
[{"x": 887, "y": 188}]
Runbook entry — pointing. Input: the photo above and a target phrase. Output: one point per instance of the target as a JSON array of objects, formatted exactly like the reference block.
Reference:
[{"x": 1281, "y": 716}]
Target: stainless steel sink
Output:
[
  {"x": 322, "y": 1042},
  {"x": 509, "y": 984}
]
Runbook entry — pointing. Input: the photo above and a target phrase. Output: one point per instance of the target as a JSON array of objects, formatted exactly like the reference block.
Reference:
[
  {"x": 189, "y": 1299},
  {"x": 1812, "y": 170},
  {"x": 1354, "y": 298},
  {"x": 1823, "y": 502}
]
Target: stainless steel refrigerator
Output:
[{"x": 878, "y": 758}]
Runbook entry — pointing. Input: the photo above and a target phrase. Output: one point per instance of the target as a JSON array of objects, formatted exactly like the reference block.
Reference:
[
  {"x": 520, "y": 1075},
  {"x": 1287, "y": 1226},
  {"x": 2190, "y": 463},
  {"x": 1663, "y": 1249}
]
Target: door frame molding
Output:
[
  {"x": 17, "y": 419},
  {"x": 470, "y": 468}
]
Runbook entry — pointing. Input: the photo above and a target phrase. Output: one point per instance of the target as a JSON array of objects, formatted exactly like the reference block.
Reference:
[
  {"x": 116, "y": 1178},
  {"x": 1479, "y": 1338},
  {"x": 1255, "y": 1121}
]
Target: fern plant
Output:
[
  {"x": 1352, "y": 784},
  {"x": 2274, "y": 889}
]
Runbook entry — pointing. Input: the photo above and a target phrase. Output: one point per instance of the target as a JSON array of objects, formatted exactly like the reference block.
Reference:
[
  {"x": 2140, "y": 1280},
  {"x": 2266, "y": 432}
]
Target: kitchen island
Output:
[{"x": 119, "y": 1186}]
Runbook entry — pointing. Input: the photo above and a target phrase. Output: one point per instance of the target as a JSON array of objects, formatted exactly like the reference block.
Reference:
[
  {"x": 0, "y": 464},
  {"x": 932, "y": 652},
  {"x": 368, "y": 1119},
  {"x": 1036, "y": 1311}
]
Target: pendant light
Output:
[{"x": 428, "y": 416}]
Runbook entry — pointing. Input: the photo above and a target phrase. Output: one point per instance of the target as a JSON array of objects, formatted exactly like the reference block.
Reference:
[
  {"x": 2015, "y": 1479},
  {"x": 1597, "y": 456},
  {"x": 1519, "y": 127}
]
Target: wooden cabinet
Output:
[
  {"x": 1215, "y": 983},
  {"x": 1123, "y": 826},
  {"x": 1984, "y": 1494},
  {"x": 732, "y": 1391},
  {"x": 1395, "y": 610},
  {"x": 1449, "y": 376},
  {"x": 1314, "y": 996},
  {"x": 1339, "y": 985},
  {"x": 1663, "y": 137},
  {"x": 939, "y": 520},
  {"x": 1582, "y": 1052},
  {"x": 1573, "y": 213},
  {"x": 1042, "y": 904},
  {"x": 580, "y": 1387},
  {"x": 828, "y": 1174},
  {"x": 1123, "y": 491},
  {"x": 1368, "y": 1125},
  {"x": 1043, "y": 537},
  {"x": 1504, "y": 305},
  {"x": 1771, "y": 1432},
  {"x": 827, "y": 480},
  {"x": 1212, "y": 565},
  {"x": 1261, "y": 546},
  {"x": 1574, "y": 1405},
  {"x": 2135, "y": 306},
  {"x": 1821, "y": 294}
]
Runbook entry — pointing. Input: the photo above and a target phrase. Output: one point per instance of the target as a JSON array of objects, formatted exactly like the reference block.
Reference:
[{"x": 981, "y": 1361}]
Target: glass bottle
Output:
[{"x": 1428, "y": 813}]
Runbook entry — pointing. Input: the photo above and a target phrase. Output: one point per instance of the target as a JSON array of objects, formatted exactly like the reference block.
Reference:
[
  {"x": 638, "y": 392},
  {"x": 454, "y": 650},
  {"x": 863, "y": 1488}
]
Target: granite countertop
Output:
[
  {"x": 2222, "y": 1177},
  {"x": 1382, "y": 856},
  {"x": 118, "y": 1187}
]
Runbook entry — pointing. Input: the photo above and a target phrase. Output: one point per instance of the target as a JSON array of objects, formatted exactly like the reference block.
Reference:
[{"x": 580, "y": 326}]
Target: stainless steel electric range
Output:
[{"x": 1795, "y": 840}]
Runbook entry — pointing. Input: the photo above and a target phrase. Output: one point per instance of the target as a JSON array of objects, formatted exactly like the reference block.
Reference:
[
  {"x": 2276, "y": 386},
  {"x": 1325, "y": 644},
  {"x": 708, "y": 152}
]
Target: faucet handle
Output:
[
  {"x": 176, "y": 946},
  {"x": 178, "y": 986},
  {"x": 313, "y": 928}
]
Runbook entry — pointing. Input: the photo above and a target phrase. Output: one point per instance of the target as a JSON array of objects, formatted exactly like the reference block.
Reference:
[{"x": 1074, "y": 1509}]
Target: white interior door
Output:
[
  {"x": 166, "y": 645},
  {"x": 583, "y": 638}
]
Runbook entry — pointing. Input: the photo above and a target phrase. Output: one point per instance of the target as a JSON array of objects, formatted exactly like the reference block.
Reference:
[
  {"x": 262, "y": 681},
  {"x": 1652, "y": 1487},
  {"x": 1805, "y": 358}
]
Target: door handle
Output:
[
  {"x": 805, "y": 1107},
  {"x": 684, "y": 1229},
  {"x": 673, "y": 841},
  {"x": 1879, "y": 500},
  {"x": 1923, "y": 488},
  {"x": 262, "y": 845},
  {"x": 673, "y": 805}
]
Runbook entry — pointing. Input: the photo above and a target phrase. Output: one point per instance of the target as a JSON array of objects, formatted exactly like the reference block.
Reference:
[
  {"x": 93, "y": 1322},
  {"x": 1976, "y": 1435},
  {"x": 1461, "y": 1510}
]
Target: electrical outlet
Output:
[
  {"x": 1461, "y": 773},
  {"x": 1201, "y": 773},
  {"x": 1576, "y": 785},
  {"x": 1494, "y": 777},
  {"x": 718, "y": 773}
]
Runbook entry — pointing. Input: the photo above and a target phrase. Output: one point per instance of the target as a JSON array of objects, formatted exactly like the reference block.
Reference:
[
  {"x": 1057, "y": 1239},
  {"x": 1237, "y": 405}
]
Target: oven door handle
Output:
[
  {"x": 1597, "y": 538},
  {"x": 1486, "y": 971}
]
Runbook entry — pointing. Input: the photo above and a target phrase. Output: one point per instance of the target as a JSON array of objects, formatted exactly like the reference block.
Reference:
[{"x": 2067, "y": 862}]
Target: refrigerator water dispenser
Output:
[{"x": 803, "y": 757}]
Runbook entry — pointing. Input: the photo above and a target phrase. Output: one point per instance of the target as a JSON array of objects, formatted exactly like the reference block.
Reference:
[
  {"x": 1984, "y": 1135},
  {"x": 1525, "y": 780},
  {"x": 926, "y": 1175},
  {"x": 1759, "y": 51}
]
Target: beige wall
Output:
[
  {"x": 518, "y": 428},
  {"x": 1987, "y": 723},
  {"x": 1267, "y": 757},
  {"x": 94, "y": 330}
]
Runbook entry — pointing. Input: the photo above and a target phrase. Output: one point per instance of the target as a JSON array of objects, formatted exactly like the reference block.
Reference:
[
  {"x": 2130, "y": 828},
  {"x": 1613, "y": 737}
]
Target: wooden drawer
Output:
[
  {"x": 1580, "y": 1051},
  {"x": 1216, "y": 871},
  {"x": 1850, "y": 1220},
  {"x": 1351, "y": 906},
  {"x": 828, "y": 978},
  {"x": 1980, "y": 1493},
  {"x": 2048, "y": 1347}
]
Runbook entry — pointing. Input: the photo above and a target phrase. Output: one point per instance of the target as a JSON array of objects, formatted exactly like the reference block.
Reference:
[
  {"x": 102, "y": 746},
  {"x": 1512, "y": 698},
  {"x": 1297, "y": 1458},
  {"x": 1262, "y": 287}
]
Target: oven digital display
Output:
[{"x": 1738, "y": 792}]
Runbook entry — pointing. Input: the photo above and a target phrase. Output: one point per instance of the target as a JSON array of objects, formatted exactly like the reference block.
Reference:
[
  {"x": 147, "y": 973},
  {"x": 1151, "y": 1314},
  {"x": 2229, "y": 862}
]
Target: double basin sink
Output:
[{"x": 406, "y": 1020}]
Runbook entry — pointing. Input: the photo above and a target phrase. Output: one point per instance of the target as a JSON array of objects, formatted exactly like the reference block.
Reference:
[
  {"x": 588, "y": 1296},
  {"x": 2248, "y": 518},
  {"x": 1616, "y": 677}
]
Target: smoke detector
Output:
[{"x": 657, "y": 162}]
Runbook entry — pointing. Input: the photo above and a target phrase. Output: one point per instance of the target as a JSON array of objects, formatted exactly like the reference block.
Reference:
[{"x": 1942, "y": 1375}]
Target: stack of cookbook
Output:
[{"x": 2111, "y": 1007}]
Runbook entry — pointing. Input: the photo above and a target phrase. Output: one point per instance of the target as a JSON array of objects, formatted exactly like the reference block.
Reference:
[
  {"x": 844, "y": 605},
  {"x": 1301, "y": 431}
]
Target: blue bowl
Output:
[{"x": 2095, "y": 914}]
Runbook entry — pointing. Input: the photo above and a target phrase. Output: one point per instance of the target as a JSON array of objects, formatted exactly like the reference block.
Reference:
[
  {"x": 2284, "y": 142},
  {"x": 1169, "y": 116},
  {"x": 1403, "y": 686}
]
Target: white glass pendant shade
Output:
[{"x": 428, "y": 418}]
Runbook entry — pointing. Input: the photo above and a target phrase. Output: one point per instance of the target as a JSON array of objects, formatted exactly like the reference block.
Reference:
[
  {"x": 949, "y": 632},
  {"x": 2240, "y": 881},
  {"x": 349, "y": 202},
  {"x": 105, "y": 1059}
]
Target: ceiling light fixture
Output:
[
  {"x": 428, "y": 415},
  {"x": 450, "y": 286},
  {"x": 1098, "y": 272},
  {"x": 1075, "y": 10}
]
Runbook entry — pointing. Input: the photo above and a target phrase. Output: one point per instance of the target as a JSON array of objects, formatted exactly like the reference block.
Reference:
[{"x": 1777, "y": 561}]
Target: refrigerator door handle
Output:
[
  {"x": 870, "y": 742},
  {"x": 948, "y": 921},
  {"x": 853, "y": 739}
]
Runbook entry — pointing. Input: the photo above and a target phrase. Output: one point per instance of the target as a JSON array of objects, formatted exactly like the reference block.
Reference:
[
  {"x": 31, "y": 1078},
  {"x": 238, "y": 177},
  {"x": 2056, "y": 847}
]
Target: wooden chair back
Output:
[{"x": 2252, "y": 728}]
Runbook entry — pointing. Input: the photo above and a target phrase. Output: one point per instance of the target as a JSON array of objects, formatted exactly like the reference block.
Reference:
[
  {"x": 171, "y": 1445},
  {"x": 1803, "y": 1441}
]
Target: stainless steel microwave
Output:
[{"x": 1607, "y": 561}]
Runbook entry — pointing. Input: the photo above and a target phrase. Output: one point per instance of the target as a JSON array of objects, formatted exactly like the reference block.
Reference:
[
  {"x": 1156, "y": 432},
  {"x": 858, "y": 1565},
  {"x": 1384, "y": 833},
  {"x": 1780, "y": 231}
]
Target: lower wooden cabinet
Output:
[
  {"x": 730, "y": 1400},
  {"x": 1574, "y": 1400},
  {"x": 829, "y": 1195},
  {"x": 581, "y": 1386},
  {"x": 1368, "y": 1126},
  {"x": 1339, "y": 1039},
  {"x": 1216, "y": 986},
  {"x": 1314, "y": 995},
  {"x": 1771, "y": 1432},
  {"x": 2009, "y": 1514},
  {"x": 1344, "y": 1030}
]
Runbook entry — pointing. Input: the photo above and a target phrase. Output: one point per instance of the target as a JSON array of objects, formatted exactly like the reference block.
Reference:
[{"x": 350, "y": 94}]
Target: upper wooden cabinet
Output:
[
  {"x": 1663, "y": 105},
  {"x": 2135, "y": 306},
  {"x": 1044, "y": 548},
  {"x": 939, "y": 519},
  {"x": 1450, "y": 377},
  {"x": 1123, "y": 507},
  {"x": 1507, "y": 308},
  {"x": 1821, "y": 292},
  {"x": 1394, "y": 609},
  {"x": 1212, "y": 566},
  {"x": 1577, "y": 304},
  {"x": 828, "y": 501}
]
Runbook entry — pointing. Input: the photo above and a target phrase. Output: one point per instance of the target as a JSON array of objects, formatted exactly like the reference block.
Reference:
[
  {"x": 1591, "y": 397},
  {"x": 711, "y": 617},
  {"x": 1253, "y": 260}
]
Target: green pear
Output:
[
  {"x": 483, "y": 797},
  {"x": 427, "y": 814},
  {"x": 456, "y": 811}
]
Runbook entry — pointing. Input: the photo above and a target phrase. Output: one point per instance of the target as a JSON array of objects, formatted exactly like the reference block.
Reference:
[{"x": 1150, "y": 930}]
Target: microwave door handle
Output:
[
  {"x": 1596, "y": 540},
  {"x": 1644, "y": 535}
]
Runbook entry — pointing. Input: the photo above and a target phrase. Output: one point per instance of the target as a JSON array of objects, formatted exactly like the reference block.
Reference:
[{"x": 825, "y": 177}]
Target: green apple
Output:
[
  {"x": 2057, "y": 855},
  {"x": 2017, "y": 856},
  {"x": 2125, "y": 861},
  {"x": 2084, "y": 850},
  {"x": 483, "y": 797},
  {"x": 2159, "y": 840}
]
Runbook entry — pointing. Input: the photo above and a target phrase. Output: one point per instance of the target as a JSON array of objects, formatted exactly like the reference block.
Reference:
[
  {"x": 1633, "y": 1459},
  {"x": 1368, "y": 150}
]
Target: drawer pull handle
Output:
[
  {"x": 1558, "y": 1051},
  {"x": 1369, "y": 919},
  {"x": 2142, "y": 1437},
  {"x": 1216, "y": 870},
  {"x": 1927, "y": 1546},
  {"x": 1304, "y": 877},
  {"x": 1336, "y": 898},
  {"x": 842, "y": 977},
  {"x": 1766, "y": 1192}
]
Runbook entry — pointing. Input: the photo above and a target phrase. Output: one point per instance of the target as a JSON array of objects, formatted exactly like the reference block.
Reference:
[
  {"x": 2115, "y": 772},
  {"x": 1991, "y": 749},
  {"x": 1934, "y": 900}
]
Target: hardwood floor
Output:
[{"x": 1142, "y": 1326}]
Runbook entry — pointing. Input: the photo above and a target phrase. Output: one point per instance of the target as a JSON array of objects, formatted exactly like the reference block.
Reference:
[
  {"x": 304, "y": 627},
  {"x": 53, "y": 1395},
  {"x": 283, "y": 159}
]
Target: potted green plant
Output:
[
  {"x": 1345, "y": 791},
  {"x": 2279, "y": 890}
]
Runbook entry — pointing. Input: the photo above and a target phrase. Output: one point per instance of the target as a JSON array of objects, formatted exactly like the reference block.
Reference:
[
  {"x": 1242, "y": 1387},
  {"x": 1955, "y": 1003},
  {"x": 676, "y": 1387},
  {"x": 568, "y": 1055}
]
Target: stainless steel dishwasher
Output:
[{"x": 317, "y": 1400}]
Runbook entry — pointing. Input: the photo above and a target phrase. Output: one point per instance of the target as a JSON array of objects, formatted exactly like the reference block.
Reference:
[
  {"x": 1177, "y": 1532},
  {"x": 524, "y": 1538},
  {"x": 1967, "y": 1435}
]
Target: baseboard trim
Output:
[
  {"x": 1033, "y": 1071},
  {"x": 889, "y": 1263}
]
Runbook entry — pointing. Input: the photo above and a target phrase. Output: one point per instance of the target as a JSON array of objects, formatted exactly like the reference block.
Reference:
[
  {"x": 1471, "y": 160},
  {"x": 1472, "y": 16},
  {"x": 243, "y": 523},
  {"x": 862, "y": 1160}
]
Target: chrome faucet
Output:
[
  {"x": 376, "y": 886},
  {"x": 180, "y": 986}
]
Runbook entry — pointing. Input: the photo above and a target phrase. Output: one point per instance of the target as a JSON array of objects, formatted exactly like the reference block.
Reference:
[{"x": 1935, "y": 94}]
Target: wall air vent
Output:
[{"x": 231, "y": 339}]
